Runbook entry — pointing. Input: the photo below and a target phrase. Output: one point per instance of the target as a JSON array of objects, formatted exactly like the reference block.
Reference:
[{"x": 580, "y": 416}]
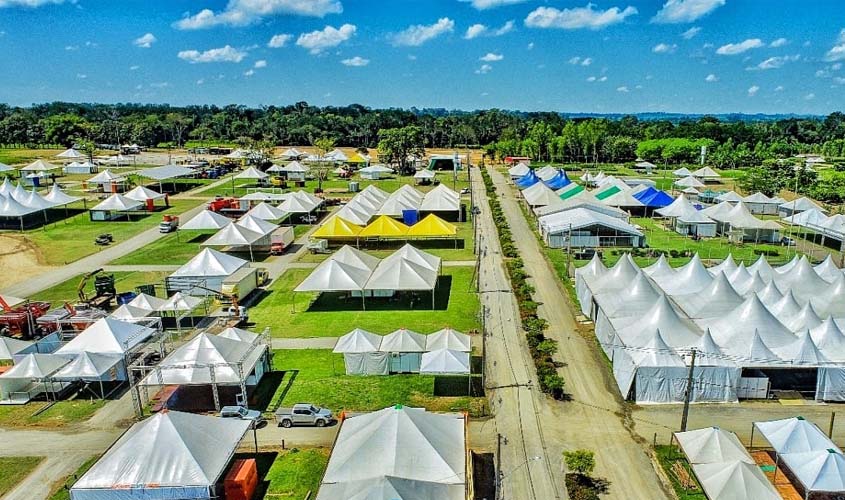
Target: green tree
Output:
[
  {"x": 64, "y": 129},
  {"x": 178, "y": 124},
  {"x": 580, "y": 461},
  {"x": 87, "y": 147},
  {"x": 323, "y": 145},
  {"x": 397, "y": 144}
]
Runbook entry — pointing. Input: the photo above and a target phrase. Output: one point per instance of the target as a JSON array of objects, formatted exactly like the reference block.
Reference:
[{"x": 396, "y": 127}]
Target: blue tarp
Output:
[
  {"x": 654, "y": 198},
  {"x": 558, "y": 181},
  {"x": 527, "y": 180}
]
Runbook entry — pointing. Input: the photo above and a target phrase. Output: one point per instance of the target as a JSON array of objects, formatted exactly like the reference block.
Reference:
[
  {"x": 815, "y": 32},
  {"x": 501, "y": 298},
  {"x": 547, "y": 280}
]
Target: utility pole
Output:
[{"x": 688, "y": 394}]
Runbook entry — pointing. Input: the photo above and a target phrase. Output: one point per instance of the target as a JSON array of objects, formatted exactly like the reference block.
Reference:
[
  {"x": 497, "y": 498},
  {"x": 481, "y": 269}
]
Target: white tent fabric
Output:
[
  {"x": 146, "y": 302},
  {"x": 233, "y": 235},
  {"x": 546, "y": 172},
  {"x": 411, "y": 454},
  {"x": 256, "y": 225},
  {"x": 689, "y": 182},
  {"x": 58, "y": 197},
  {"x": 169, "y": 455},
  {"x": 401, "y": 274},
  {"x": 425, "y": 174},
  {"x": 107, "y": 336},
  {"x": 9, "y": 347},
  {"x": 106, "y": 177},
  {"x": 265, "y": 211},
  {"x": 403, "y": 340},
  {"x": 295, "y": 167},
  {"x": 70, "y": 154},
  {"x": 596, "y": 206},
  {"x": 794, "y": 435},
  {"x": 238, "y": 334},
  {"x": 36, "y": 201},
  {"x": 206, "y": 220},
  {"x": 821, "y": 470},
  {"x": 192, "y": 363},
  {"x": 580, "y": 218},
  {"x": 356, "y": 258},
  {"x": 166, "y": 172},
  {"x": 210, "y": 263},
  {"x": 518, "y": 170},
  {"x": 736, "y": 480},
  {"x": 35, "y": 366},
  {"x": 251, "y": 173},
  {"x": 353, "y": 215},
  {"x": 706, "y": 173},
  {"x": 711, "y": 445},
  {"x": 623, "y": 198},
  {"x": 300, "y": 203},
  {"x": 828, "y": 269},
  {"x": 442, "y": 199},
  {"x": 89, "y": 366},
  {"x": 142, "y": 194},
  {"x": 39, "y": 166},
  {"x": 9, "y": 207},
  {"x": 334, "y": 276},
  {"x": 264, "y": 196},
  {"x": 448, "y": 339},
  {"x": 117, "y": 202},
  {"x": 358, "y": 341},
  {"x": 180, "y": 303},
  {"x": 445, "y": 362},
  {"x": 682, "y": 172},
  {"x": 802, "y": 204},
  {"x": 128, "y": 312},
  {"x": 730, "y": 197}
]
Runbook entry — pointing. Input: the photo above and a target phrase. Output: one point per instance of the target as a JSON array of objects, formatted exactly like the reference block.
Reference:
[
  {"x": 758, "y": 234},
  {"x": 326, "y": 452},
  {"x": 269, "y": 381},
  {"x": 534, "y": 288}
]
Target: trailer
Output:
[
  {"x": 281, "y": 239},
  {"x": 239, "y": 284}
]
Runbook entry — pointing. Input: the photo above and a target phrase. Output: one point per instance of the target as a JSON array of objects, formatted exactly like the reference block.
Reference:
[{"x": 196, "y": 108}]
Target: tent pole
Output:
[{"x": 102, "y": 391}]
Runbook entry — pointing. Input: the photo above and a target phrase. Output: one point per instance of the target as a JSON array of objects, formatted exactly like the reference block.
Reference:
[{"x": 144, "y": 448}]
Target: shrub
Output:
[{"x": 580, "y": 461}]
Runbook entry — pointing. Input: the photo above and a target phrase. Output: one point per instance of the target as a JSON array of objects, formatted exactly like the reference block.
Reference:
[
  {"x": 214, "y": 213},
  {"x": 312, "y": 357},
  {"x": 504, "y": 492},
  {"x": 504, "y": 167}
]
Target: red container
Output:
[{"x": 242, "y": 480}]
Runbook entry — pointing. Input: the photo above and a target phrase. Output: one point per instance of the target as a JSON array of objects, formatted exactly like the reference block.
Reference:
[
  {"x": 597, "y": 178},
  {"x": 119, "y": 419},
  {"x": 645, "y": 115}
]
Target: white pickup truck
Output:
[{"x": 303, "y": 414}]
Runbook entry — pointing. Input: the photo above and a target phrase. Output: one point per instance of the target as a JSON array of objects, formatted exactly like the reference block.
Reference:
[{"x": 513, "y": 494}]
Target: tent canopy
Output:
[
  {"x": 712, "y": 444},
  {"x": 116, "y": 203},
  {"x": 384, "y": 227},
  {"x": 251, "y": 173},
  {"x": 337, "y": 227},
  {"x": 358, "y": 341},
  {"x": 107, "y": 336},
  {"x": 432, "y": 226},
  {"x": 232, "y": 360},
  {"x": 445, "y": 361},
  {"x": 210, "y": 263},
  {"x": 206, "y": 220},
  {"x": 166, "y": 172}
]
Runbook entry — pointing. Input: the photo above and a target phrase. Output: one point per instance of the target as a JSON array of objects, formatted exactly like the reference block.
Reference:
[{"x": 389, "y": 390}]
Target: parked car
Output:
[
  {"x": 303, "y": 414},
  {"x": 242, "y": 413},
  {"x": 787, "y": 241}
]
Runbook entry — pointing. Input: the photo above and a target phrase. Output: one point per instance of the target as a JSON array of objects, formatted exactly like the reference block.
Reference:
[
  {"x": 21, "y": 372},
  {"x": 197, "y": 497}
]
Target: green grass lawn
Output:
[
  {"x": 668, "y": 455},
  {"x": 15, "y": 470},
  {"x": 445, "y": 249},
  {"x": 320, "y": 379},
  {"x": 13, "y": 156},
  {"x": 60, "y": 414},
  {"x": 339, "y": 187},
  {"x": 295, "y": 472},
  {"x": 330, "y": 317},
  {"x": 73, "y": 238},
  {"x": 61, "y": 488},
  {"x": 173, "y": 248},
  {"x": 124, "y": 282}
]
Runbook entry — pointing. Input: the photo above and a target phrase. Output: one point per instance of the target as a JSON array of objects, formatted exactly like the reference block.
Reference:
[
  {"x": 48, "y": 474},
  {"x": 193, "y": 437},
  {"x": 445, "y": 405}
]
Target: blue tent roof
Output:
[
  {"x": 654, "y": 198},
  {"x": 527, "y": 180},
  {"x": 558, "y": 181}
]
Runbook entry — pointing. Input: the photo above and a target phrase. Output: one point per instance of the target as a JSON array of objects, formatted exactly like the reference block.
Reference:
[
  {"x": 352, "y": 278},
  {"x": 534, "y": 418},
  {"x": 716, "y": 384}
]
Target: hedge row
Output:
[{"x": 542, "y": 349}]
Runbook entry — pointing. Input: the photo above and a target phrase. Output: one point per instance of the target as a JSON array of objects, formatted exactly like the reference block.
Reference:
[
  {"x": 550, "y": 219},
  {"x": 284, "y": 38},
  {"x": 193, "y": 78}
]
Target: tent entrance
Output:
[{"x": 787, "y": 381}]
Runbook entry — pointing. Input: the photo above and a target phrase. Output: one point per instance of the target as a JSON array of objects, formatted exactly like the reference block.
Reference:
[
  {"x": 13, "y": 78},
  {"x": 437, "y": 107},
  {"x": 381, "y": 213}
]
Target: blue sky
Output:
[{"x": 696, "y": 56}]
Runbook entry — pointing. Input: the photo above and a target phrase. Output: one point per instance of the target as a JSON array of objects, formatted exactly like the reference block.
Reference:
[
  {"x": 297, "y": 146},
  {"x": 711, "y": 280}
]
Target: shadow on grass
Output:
[
  {"x": 404, "y": 301},
  {"x": 262, "y": 397},
  {"x": 284, "y": 392},
  {"x": 458, "y": 385},
  {"x": 263, "y": 461},
  {"x": 425, "y": 244}
]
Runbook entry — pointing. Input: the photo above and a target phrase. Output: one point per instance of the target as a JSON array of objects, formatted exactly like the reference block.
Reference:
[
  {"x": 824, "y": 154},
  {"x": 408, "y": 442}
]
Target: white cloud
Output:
[
  {"x": 530, "y": 45},
  {"x": 261, "y": 63},
  {"x": 603, "y": 79},
  {"x": 475, "y": 31},
  {"x": 575, "y": 60},
  {"x": 691, "y": 33},
  {"x": 578, "y": 17},
  {"x": 328, "y": 37},
  {"x": 160, "y": 85},
  {"x": 249, "y": 72},
  {"x": 71, "y": 47},
  {"x": 591, "y": 79},
  {"x": 775, "y": 62},
  {"x": 81, "y": 76},
  {"x": 412, "y": 57},
  {"x": 840, "y": 80},
  {"x": 491, "y": 57},
  {"x": 733, "y": 49},
  {"x": 810, "y": 96},
  {"x": 356, "y": 62},
  {"x": 711, "y": 78},
  {"x": 780, "y": 42},
  {"x": 133, "y": 67},
  {"x": 30, "y": 3},
  {"x": 279, "y": 41},
  {"x": 246, "y": 12},
  {"x": 837, "y": 52},
  {"x": 489, "y": 4},
  {"x": 836, "y": 67},
  {"x": 418, "y": 34},
  {"x": 479, "y": 30},
  {"x": 146, "y": 41},
  {"x": 622, "y": 89},
  {"x": 201, "y": 81},
  {"x": 779, "y": 88},
  {"x": 685, "y": 11},
  {"x": 752, "y": 90},
  {"x": 484, "y": 69},
  {"x": 587, "y": 61},
  {"x": 664, "y": 48},
  {"x": 505, "y": 28},
  {"x": 223, "y": 54}
]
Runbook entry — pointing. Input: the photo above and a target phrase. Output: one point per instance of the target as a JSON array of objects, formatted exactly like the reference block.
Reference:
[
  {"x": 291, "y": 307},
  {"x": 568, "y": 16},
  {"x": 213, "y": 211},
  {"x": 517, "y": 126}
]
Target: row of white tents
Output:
[
  {"x": 735, "y": 220},
  {"x": 832, "y": 226},
  {"x": 649, "y": 321},
  {"x": 17, "y": 202},
  {"x": 443, "y": 352},
  {"x": 295, "y": 202},
  {"x": 372, "y": 201}
]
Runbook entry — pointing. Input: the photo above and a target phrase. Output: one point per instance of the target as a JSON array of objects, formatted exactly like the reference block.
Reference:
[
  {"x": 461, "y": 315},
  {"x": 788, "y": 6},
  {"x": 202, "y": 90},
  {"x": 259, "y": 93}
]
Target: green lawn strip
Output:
[
  {"x": 331, "y": 317},
  {"x": 14, "y": 156},
  {"x": 445, "y": 248},
  {"x": 174, "y": 248},
  {"x": 14, "y": 470},
  {"x": 60, "y": 414},
  {"x": 295, "y": 472},
  {"x": 668, "y": 455},
  {"x": 124, "y": 282},
  {"x": 61, "y": 488},
  {"x": 71, "y": 239},
  {"x": 320, "y": 379}
]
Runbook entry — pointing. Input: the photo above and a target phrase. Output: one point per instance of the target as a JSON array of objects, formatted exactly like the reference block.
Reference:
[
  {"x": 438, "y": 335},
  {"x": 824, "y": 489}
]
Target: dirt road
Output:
[
  {"x": 18, "y": 259},
  {"x": 596, "y": 418}
]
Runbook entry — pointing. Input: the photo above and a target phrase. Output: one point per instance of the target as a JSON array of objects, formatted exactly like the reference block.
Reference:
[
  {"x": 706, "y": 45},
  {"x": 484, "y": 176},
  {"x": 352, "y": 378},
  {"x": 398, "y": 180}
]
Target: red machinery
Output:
[
  {"x": 220, "y": 203},
  {"x": 20, "y": 320}
]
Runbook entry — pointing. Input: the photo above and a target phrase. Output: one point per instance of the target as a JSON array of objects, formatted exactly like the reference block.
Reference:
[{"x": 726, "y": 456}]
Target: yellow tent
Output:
[
  {"x": 337, "y": 227},
  {"x": 432, "y": 226},
  {"x": 384, "y": 227}
]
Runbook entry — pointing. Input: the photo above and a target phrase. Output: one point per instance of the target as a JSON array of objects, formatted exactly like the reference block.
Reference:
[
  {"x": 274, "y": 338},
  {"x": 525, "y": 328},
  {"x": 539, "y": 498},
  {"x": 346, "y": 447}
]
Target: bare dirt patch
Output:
[{"x": 19, "y": 259}]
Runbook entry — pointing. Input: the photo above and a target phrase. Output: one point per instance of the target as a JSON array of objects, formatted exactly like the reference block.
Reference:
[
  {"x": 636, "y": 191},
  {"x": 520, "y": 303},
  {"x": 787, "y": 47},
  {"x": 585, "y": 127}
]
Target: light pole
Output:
[{"x": 502, "y": 476}]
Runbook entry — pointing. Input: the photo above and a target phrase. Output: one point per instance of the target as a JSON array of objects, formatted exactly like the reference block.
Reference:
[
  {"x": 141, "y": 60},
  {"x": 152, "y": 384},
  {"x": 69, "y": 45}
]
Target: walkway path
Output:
[{"x": 596, "y": 418}]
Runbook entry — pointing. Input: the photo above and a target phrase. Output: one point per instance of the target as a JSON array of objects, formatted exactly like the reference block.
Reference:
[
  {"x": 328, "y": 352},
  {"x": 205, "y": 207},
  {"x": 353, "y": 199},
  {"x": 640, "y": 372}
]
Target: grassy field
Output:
[
  {"x": 73, "y": 238},
  {"x": 668, "y": 455},
  {"x": 58, "y": 415},
  {"x": 61, "y": 488},
  {"x": 319, "y": 378},
  {"x": 124, "y": 282},
  {"x": 445, "y": 249},
  {"x": 15, "y": 470},
  {"x": 330, "y": 317},
  {"x": 14, "y": 156},
  {"x": 295, "y": 472}
]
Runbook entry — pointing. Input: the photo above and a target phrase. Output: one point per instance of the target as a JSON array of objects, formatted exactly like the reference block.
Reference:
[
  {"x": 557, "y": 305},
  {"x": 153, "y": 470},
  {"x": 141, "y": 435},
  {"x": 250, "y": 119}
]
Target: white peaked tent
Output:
[
  {"x": 251, "y": 173},
  {"x": 332, "y": 275},
  {"x": 443, "y": 199},
  {"x": 758, "y": 203},
  {"x": 146, "y": 302},
  {"x": 798, "y": 205},
  {"x": 818, "y": 471},
  {"x": 633, "y": 300},
  {"x": 622, "y": 198},
  {"x": 6, "y": 187},
  {"x": 711, "y": 445},
  {"x": 828, "y": 269},
  {"x": 805, "y": 319},
  {"x": 107, "y": 336},
  {"x": 518, "y": 170},
  {"x": 361, "y": 355},
  {"x": 353, "y": 215},
  {"x": 263, "y": 196},
  {"x": 660, "y": 267},
  {"x": 689, "y": 278},
  {"x": 180, "y": 303},
  {"x": 802, "y": 279},
  {"x": 448, "y": 339},
  {"x": 737, "y": 480},
  {"x": 785, "y": 307},
  {"x": 30, "y": 376},
  {"x": 689, "y": 182},
  {"x": 39, "y": 166},
  {"x": 10, "y": 347},
  {"x": 239, "y": 334},
  {"x": 727, "y": 266},
  {"x": 142, "y": 194},
  {"x": 58, "y": 197},
  {"x": 106, "y": 177},
  {"x": 207, "y": 269},
  {"x": 715, "y": 300},
  {"x": 794, "y": 435},
  {"x": 5, "y": 168},
  {"x": 374, "y": 172},
  {"x": 397, "y": 274},
  {"x": 403, "y": 340},
  {"x": 355, "y": 258},
  {"x": 706, "y": 173},
  {"x": 682, "y": 172},
  {"x": 35, "y": 201},
  {"x": 396, "y": 205},
  {"x": 804, "y": 352},
  {"x": 292, "y": 154},
  {"x": 206, "y": 220},
  {"x": 256, "y": 225},
  {"x": 662, "y": 316},
  {"x": 169, "y": 455},
  {"x": 70, "y": 154},
  {"x": 445, "y": 362},
  {"x": 129, "y": 313},
  {"x": 117, "y": 203},
  {"x": 730, "y": 197},
  {"x": 410, "y": 454},
  {"x": 546, "y": 172},
  {"x": 92, "y": 367},
  {"x": 735, "y": 330},
  {"x": 300, "y": 203},
  {"x": 233, "y": 235},
  {"x": 295, "y": 170},
  {"x": 709, "y": 354},
  {"x": 265, "y": 211}
]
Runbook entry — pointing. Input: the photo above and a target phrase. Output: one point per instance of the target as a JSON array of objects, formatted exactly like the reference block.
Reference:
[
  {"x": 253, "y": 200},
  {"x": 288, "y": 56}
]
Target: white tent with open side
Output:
[
  {"x": 445, "y": 362},
  {"x": 206, "y": 221},
  {"x": 361, "y": 355},
  {"x": 736, "y": 480}
]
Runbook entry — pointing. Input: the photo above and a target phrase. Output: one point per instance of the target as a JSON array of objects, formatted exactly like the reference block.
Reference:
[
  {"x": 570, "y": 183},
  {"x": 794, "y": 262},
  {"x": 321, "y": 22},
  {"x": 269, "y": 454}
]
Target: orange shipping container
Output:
[{"x": 242, "y": 480}]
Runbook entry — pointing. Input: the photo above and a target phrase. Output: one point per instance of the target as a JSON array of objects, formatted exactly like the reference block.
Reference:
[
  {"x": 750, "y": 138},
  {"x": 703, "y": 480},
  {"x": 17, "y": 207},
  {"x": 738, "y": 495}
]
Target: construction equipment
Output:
[
  {"x": 21, "y": 320},
  {"x": 103, "y": 288}
]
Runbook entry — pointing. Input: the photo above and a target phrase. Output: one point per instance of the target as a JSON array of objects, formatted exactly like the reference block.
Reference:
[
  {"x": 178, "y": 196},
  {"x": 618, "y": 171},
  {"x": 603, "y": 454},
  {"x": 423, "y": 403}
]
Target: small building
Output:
[
  {"x": 798, "y": 205},
  {"x": 760, "y": 204},
  {"x": 584, "y": 228},
  {"x": 203, "y": 274},
  {"x": 445, "y": 162},
  {"x": 513, "y": 160},
  {"x": 115, "y": 207}
]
